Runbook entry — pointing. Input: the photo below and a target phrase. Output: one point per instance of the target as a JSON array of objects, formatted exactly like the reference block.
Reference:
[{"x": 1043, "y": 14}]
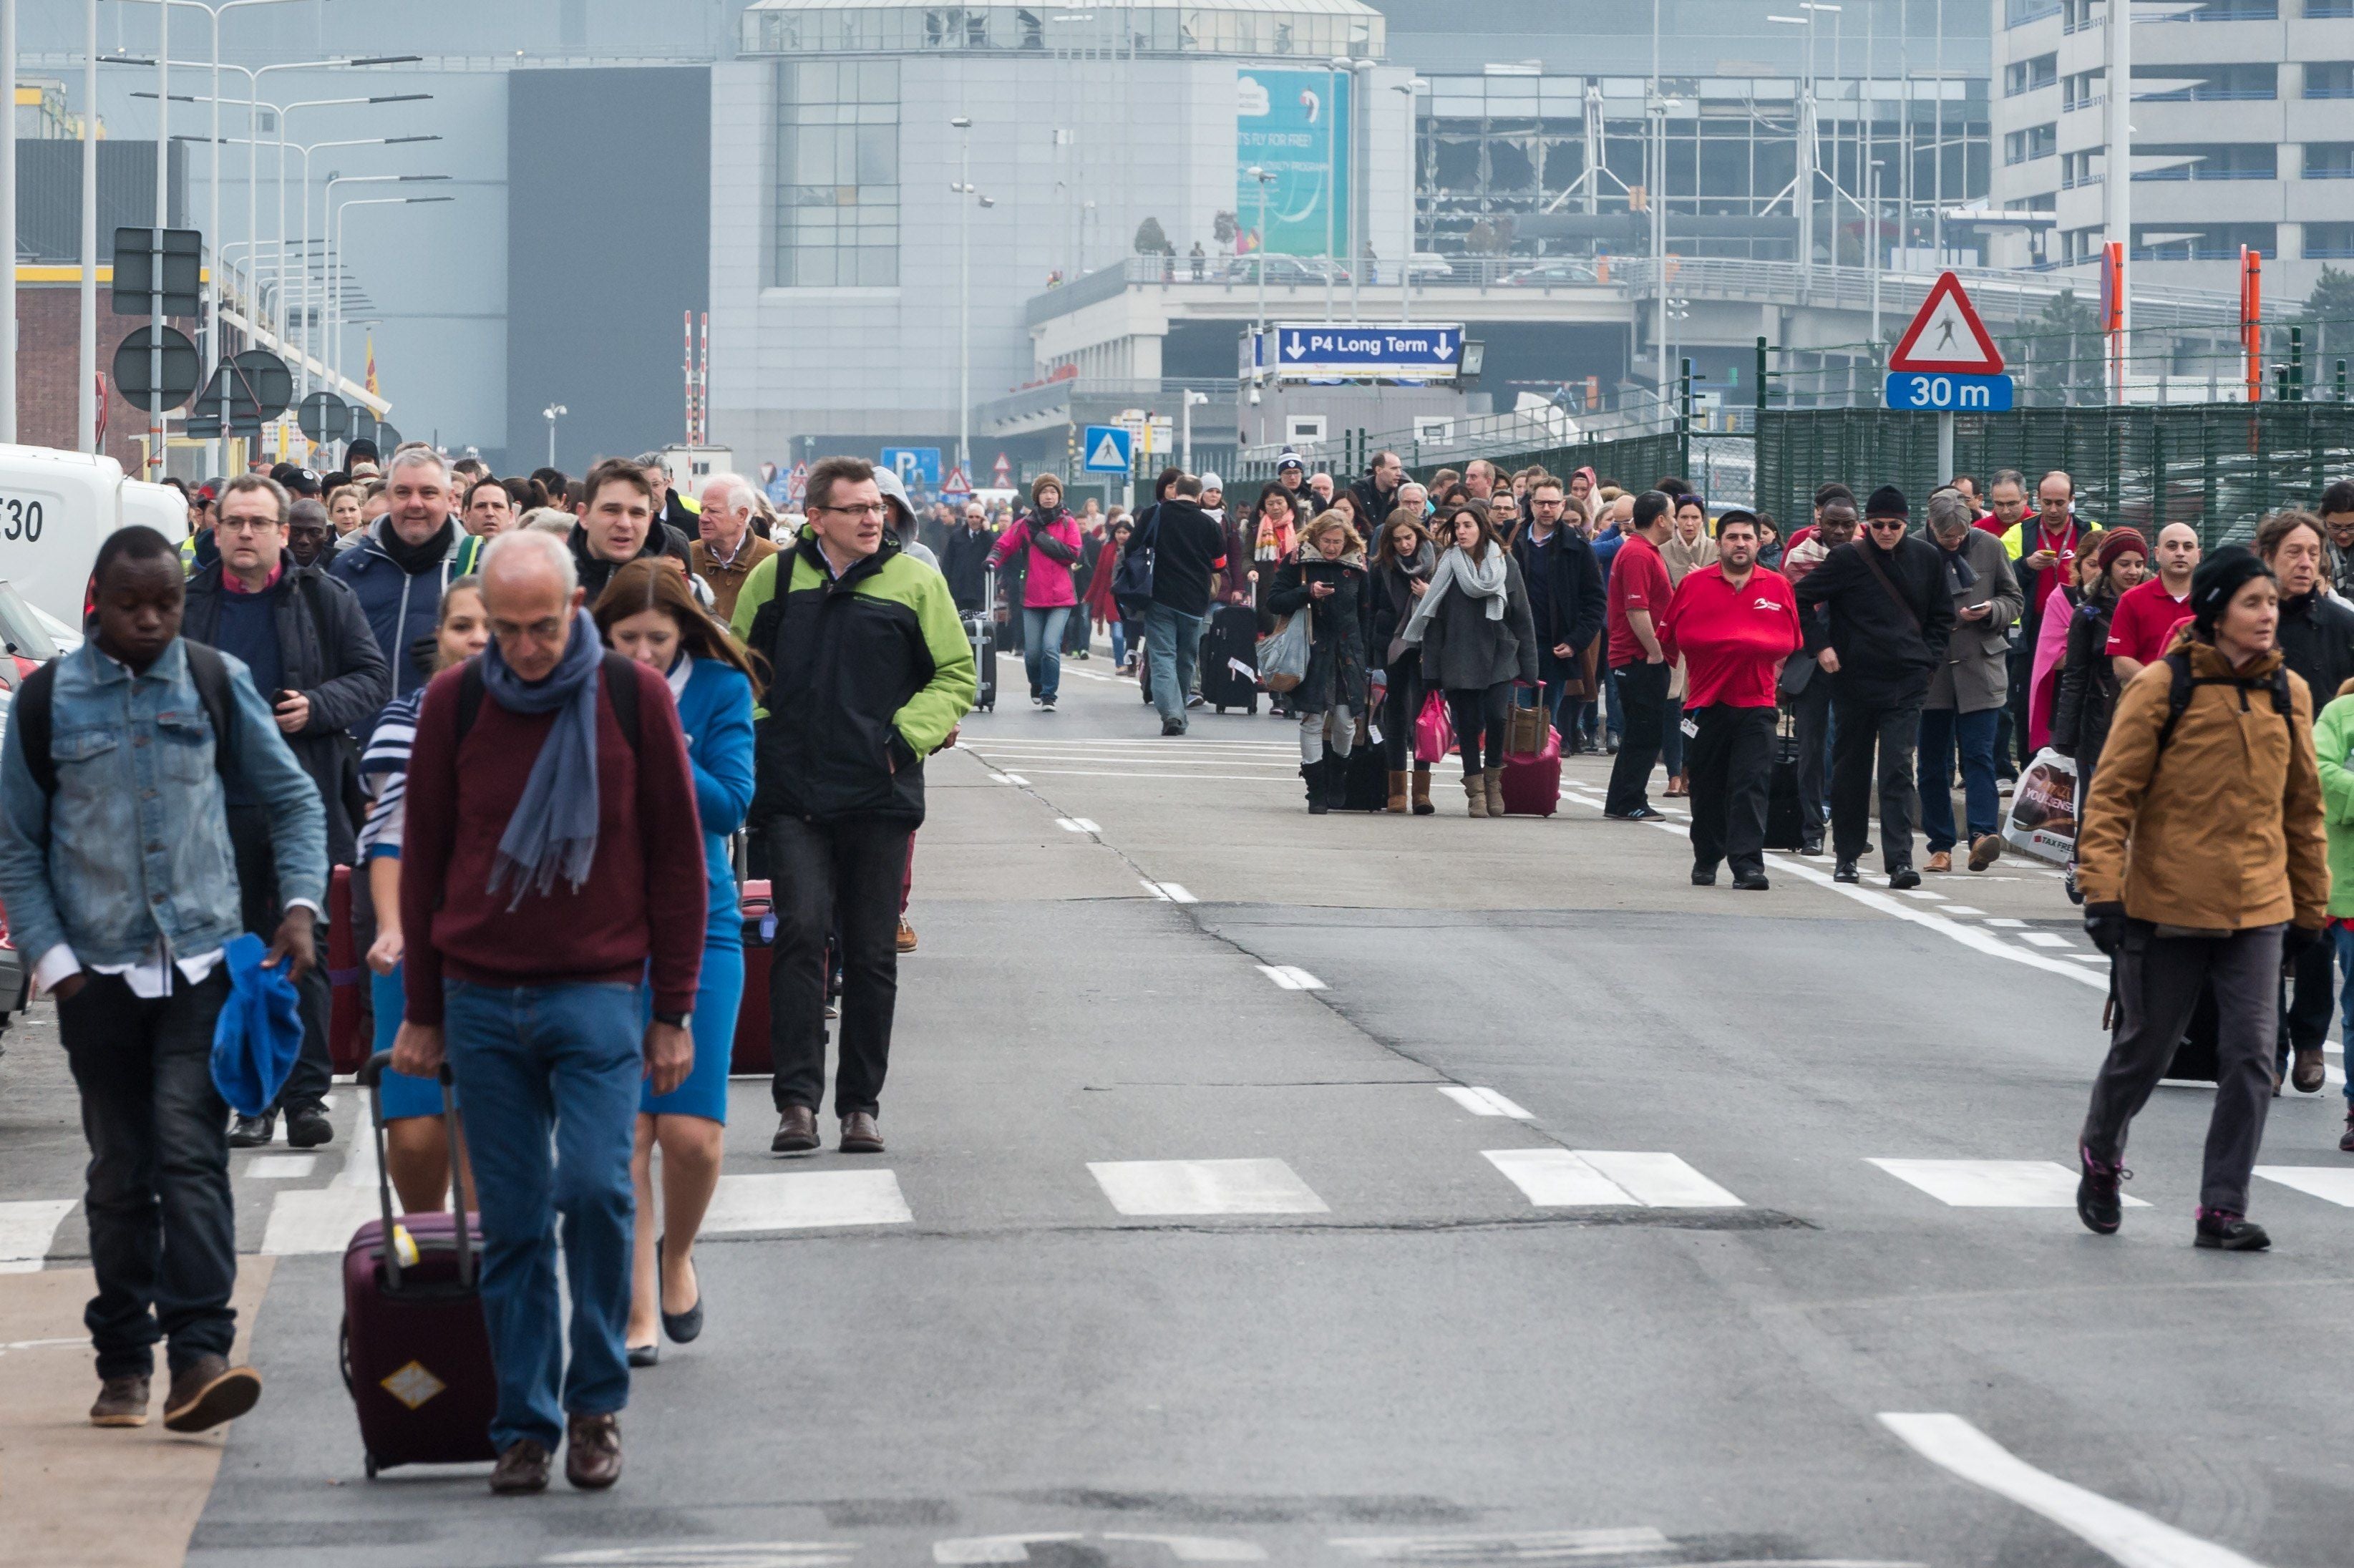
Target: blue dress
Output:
[
  {"x": 385, "y": 764},
  {"x": 715, "y": 708}
]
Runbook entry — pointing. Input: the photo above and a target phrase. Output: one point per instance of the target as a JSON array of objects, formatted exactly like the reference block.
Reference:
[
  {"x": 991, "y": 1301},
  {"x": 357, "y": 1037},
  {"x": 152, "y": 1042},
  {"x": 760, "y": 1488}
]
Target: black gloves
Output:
[
  {"x": 2105, "y": 925},
  {"x": 2299, "y": 940}
]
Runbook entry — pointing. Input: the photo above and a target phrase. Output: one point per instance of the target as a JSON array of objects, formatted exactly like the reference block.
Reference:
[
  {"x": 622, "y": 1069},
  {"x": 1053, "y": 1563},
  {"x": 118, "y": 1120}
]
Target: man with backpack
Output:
[
  {"x": 551, "y": 871},
  {"x": 308, "y": 648},
  {"x": 121, "y": 882}
]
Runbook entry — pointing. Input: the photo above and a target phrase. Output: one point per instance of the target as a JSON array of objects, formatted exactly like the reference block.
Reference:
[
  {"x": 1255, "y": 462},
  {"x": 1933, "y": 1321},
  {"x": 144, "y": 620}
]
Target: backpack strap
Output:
[
  {"x": 621, "y": 691},
  {"x": 31, "y": 713},
  {"x": 211, "y": 676},
  {"x": 2178, "y": 696},
  {"x": 28, "y": 715}
]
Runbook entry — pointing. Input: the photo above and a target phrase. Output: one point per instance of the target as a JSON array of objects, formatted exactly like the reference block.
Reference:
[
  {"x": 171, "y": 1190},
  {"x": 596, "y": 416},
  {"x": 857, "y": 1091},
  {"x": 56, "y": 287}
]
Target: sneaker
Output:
[
  {"x": 1046, "y": 704},
  {"x": 1902, "y": 878},
  {"x": 208, "y": 1392},
  {"x": 1639, "y": 814},
  {"x": 906, "y": 940},
  {"x": 2098, "y": 1202},
  {"x": 307, "y": 1127},
  {"x": 121, "y": 1402},
  {"x": 253, "y": 1131},
  {"x": 1192, "y": 699},
  {"x": 1172, "y": 726},
  {"x": 1985, "y": 850},
  {"x": 2226, "y": 1232}
]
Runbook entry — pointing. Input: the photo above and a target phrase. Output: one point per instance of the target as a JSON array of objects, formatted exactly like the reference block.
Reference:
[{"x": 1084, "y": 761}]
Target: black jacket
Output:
[
  {"x": 2317, "y": 640},
  {"x": 1373, "y": 508},
  {"x": 596, "y": 571},
  {"x": 1336, "y": 658},
  {"x": 1886, "y": 651},
  {"x": 1186, "y": 545},
  {"x": 964, "y": 561},
  {"x": 2087, "y": 696},
  {"x": 1573, "y": 610},
  {"x": 1462, "y": 649},
  {"x": 329, "y": 656}
]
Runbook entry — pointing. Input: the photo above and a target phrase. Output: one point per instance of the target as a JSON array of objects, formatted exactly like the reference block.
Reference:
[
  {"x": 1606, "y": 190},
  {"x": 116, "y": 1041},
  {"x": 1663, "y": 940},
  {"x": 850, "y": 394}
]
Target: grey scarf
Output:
[
  {"x": 1485, "y": 580},
  {"x": 554, "y": 829}
]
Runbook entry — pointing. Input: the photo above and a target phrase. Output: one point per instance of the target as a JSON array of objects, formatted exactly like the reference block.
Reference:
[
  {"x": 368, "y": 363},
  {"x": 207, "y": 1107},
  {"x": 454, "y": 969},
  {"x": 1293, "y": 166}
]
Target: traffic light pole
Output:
[{"x": 162, "y": 221}]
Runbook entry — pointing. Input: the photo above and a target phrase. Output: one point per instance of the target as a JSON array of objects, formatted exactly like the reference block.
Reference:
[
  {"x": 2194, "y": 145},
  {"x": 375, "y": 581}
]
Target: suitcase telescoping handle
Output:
[{"x": 395, "y": 1239}]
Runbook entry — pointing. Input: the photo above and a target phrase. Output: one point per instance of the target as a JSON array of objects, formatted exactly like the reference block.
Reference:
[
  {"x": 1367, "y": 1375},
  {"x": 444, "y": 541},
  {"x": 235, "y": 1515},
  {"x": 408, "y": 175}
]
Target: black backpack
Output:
[
  {"x": 31, "y": 713},
  {"x": 621, "y": 690},
  {"x": 2178, "y": 696}
]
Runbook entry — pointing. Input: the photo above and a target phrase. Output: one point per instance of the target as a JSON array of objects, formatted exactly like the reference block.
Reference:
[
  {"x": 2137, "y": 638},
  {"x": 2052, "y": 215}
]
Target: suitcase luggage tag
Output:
[{"x": 1690, "y": 729}]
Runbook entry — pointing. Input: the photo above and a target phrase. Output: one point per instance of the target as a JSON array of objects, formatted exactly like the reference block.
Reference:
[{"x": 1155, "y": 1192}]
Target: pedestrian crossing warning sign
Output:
[
  {"x": 1107, "y": 449},
  {"x": 1947, "y": 336}
]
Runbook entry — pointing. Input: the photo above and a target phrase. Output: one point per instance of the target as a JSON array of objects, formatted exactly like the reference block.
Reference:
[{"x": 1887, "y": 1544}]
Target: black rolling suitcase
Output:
[
  {"x": 1230, "y": 659},
  {"x": 1366, "y": 786},
  {"x": 981, "y": 630},
  {"x": 1786, "y": 823}
]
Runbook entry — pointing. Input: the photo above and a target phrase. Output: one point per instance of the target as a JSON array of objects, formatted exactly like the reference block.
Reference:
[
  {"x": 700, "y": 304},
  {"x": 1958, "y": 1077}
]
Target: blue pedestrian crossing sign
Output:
[{"x": 1107, "y": 449}]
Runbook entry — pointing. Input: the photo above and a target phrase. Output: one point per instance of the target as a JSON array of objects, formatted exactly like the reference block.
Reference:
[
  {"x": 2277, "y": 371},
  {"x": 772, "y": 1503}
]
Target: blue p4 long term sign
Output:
[
  {"x": 1925, "y": 392},
  {"x": 1329, "y": 349}
]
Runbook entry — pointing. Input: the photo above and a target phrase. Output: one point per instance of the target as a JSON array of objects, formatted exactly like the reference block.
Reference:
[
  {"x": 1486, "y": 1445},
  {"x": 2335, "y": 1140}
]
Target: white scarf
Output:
[{"x": 1486, "y": 580}]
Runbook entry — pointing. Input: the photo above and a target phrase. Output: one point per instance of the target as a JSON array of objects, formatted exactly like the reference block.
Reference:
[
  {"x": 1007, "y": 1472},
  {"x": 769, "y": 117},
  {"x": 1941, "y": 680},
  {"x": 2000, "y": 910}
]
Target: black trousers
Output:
[
  {"x": 1894, "y": 729},
  {"x": 1810, "y": 716},
  {"x": 1731, "y": 765},
  {"x": 257, "y": 882},
  {"x": 834, "y": 877},
  {"x": 2305, "y": 1000},
  {"x": 1399, "y": 710},
  {"x": 1643, "y": 717},
  {"x": 163, "y": 1232},
  {"x": 1478, "y": 713}
]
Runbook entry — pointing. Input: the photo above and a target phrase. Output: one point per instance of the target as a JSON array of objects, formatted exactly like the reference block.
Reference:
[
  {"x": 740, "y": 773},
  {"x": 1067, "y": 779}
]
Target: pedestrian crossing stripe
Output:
[
  {"x": 806, "y": 1199},
  {"x": 1597, "y": 1178},
  {"x": 1992, "y": 1184},
  {"x": 1168, "y": 1188},
  {"x": 2330, "y": 1183}
]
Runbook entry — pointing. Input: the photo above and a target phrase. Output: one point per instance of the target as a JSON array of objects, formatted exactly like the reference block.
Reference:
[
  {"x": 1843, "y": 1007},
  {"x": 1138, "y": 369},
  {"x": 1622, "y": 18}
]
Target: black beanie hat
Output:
[
  {"x": 1887, "y": 501},
  {"x": 2219, "y": 577}
]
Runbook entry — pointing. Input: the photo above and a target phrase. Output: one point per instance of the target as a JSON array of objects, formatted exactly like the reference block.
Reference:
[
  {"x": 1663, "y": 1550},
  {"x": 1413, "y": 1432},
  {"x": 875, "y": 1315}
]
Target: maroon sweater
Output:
[{"x": 646, "y": 889}]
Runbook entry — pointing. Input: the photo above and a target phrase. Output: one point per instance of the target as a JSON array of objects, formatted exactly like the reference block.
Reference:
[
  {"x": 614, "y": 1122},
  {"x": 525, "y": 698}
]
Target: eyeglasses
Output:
[
  {"x": 876, "y": 509},
  {"x": 1884, "y": 525}
]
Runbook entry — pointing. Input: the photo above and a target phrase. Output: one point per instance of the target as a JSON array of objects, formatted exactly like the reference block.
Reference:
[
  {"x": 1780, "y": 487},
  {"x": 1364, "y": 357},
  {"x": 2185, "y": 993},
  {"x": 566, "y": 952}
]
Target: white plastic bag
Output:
[
  {"x": 1283, "y": 654},
  {"x": 2043, "y": 809}
]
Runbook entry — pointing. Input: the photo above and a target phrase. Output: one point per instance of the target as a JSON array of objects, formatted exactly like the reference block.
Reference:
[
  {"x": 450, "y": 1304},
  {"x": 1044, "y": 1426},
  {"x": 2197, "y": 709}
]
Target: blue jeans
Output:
[
  {"x": 1042, "y": 648},
  {"x": 1118, "y": 641},
  {"x": 536, "y": 1062},
  {"x": 1943, "y": 729},
  {"x": 1613, "y": 716},
  {"x": 1172, "y": 639}
]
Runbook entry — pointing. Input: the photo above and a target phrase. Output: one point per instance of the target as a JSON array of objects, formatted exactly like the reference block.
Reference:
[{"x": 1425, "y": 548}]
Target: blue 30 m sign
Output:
[{"x": 1927, "y": 392}]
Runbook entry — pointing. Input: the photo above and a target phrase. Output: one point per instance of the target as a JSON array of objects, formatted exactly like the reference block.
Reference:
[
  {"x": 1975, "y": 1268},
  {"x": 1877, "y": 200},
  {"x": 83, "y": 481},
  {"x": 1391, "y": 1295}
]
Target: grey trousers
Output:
[{"x": 2157, "y": 981}]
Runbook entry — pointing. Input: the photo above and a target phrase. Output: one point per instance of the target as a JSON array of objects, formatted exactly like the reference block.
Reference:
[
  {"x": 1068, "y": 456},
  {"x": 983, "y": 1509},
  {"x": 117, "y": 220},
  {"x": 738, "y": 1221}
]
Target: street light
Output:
[
  {"x": 963, "y": 188},
  {"x": 1361, "y": 70},
  {"x": 1193, "y": 400},
  {"x": 552, "y": 413},
  {"x": 336, "y": 253},
  {"x": 1332, "y": 70},
  {"x": 1264, "y": 179}
]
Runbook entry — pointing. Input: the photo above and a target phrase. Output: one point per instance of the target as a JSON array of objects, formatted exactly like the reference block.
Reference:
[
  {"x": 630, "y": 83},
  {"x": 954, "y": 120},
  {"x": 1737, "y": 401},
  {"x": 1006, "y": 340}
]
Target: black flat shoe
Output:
[
  {"x": 1704, "y": 878},
  {"x": 645, "y": 1355},
  {"x": 1752, "y": 881},
  {"x": 681, "y": 1327},
  {"x": 1845, "y": 871}
]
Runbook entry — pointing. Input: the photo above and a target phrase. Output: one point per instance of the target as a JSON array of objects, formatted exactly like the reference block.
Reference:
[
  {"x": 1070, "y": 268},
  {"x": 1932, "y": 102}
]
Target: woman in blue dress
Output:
[
  {"x": 416, "y": 1146},
  {"x": 649, "y": 613}
]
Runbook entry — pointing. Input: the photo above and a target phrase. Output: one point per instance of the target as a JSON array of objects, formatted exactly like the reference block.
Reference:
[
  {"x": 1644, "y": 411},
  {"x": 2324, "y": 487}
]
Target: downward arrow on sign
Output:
[{"x": 1291, "y": 347}]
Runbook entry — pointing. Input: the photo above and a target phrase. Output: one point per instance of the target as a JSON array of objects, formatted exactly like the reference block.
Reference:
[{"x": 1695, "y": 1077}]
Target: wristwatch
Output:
[{"x": 672, "y": 1020}]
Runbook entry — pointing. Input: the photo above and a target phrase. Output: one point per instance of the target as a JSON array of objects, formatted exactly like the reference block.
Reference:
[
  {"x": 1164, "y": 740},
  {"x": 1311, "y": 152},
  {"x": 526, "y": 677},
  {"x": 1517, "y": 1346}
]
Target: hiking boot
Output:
[
  {"x": 253, "y": 1131},
  {"x": 2227, "y": 1232},
  {"x": 1985, "y": 850},
  {"x": 1943, "y": 861},
  {"x": 522, "y": 1468},
  {"x": 2099, "y": 1202},
  {"x": 210, "y": 1392},
  {"x": 307, "y": 1127},
  {"x": 121, "y": 1402},
  {"x": 592, "y": 1451}
]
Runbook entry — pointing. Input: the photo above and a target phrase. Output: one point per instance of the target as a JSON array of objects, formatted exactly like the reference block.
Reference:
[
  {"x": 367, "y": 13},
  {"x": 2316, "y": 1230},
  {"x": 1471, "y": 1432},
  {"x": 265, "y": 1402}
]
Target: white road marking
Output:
[
  {"x": 1199, "y": 1548},
  {"x": 1658, "y": 1180},
  {"x": 2130, "y": 1536},
  {"x": 1187, "y": 777},
  {"x": 2090, "y": 958},
  {"x": 995, "y": 1548},
  {"x": 1992, "y": 1184},
  {"x": 1290, "y": 977},
  {"x": 318, "y": 1219},
  {"x": 1960, "y": 909},
  {"x": 1519, "y": 1546},
  {"x": 1484, "y": 1102},
  {"x": 1169, "y": 892},
  {"x": 279, "y": 1167},
  {"x": 1077, "y": 825},
  {"x": 1163, "y": 1187},
  {"x": 27, "y": 1226},
  {"x": 360, "y": 1165},
  {"x": 2005, "y": 923},
  {"x": 1015, "y": 778},
  {"x": 1924, "y": 893},
  {"x": 2044, "y": 939},
  {"x": 705, "y": 1555},
  {"x": 2330, "y": 1183},
  {"x": 1587, "y": 1177},
  {"x": 807, "y": 1200}
]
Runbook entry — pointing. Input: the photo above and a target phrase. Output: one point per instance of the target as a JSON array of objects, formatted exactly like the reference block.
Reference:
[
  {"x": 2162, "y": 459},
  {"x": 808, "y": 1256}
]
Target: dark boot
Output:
[
  {"x": 1312, "y": 775},
  {"x": 1336, "y": 782}
]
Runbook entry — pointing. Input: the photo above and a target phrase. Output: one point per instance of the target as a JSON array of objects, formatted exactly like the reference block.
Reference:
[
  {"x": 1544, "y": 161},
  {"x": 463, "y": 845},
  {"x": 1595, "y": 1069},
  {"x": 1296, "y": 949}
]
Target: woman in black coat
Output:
[
  {"x": 1401, "y": 574},
  {"x": 1325, "y": 578},
  {"x": 1478, "y": 636}
]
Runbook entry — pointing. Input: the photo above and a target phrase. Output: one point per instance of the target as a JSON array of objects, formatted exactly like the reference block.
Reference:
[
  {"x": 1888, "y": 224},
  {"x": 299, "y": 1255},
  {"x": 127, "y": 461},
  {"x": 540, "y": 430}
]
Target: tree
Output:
[
  {"x": 2332, "y": 299},
  {"x": 1151, "y": 242},
  {"x": 1225, "y": 228}
]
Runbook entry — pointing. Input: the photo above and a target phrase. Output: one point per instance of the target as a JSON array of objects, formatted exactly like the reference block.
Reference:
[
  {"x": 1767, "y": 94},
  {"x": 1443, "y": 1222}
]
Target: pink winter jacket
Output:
[{"x": 1047, "y": 582}]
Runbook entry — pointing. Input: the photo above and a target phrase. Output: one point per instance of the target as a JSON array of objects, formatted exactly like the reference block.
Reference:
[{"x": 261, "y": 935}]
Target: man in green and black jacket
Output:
[{"x": 869, "y": 672}]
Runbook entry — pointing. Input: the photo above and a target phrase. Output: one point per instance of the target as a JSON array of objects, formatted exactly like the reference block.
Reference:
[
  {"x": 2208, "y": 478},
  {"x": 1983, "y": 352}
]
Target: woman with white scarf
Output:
[{"x": 1476, "y": 636}]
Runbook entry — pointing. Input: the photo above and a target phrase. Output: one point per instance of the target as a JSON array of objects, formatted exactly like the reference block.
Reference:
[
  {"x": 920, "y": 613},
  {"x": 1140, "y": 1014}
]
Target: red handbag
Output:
[{"x": 1434, "y": 731}]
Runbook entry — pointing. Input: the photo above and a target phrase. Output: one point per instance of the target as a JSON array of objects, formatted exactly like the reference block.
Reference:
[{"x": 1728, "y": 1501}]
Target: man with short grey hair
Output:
[
  {"x": 671, "y": 508},
  {"x": 403, "y": 562},
  {"x": 1967, "y": 692},
  {"x": 728, "y": 549}
]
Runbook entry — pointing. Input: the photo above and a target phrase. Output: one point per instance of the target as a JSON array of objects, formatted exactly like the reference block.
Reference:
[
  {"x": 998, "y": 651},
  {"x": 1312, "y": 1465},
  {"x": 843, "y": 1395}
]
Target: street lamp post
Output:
[
  {"x": 1361, "y": 71},
  {"x": 963, "y": 124},
  {"x": 335, "y": 258},
  {"x": 8, "y": 218},
  {"x": 85, "y": 389},
  {"x": 1193, "y": 400},
  {"x": 1412, "y": 195},
  {"x": 1264, "y": 179},
  {"x": 552, "y": 413},
  {"x": 1333, "y": 71}
]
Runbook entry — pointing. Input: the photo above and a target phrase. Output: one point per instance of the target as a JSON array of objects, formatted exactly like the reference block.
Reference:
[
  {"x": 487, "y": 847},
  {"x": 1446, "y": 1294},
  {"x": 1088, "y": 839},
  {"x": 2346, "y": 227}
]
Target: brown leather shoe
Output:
[
  {"x": 210, "y": 1392},
  {"x": 121, "y": 1402},
  {"x": 1942, "y": 861},
  {"x": 592, "y": 1451},
  {"x": 907, "y": 938},
  {"x": 1985, "y": 850},
  {"x": 522, "y": 1469},
  {"x": 2307, "y": 1072},
  {"x": 860, "y": 1134},
  {"x": 796, "y": 1131}
]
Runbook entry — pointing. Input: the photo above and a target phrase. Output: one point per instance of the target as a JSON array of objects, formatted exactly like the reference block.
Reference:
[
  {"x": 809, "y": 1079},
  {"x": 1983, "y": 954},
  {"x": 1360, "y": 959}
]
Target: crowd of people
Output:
[{"x": 553, "y": 721}]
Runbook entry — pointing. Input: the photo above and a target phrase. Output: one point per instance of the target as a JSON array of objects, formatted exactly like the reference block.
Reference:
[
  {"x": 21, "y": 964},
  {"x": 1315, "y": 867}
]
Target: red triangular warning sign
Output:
[{"x": 1947, "y": 337}]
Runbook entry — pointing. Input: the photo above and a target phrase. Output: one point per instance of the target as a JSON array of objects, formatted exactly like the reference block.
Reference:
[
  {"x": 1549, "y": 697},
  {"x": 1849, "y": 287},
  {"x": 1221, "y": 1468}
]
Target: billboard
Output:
[{"x": 1294, "y": 125}]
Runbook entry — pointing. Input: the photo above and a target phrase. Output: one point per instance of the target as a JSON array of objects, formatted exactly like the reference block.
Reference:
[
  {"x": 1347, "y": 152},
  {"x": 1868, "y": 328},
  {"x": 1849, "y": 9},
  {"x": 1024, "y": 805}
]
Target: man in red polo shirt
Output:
[
  {"x": 1639, "y": 591},
  {"x": 2144, "y": 622},
  {"x": 1732, "y": 624}
]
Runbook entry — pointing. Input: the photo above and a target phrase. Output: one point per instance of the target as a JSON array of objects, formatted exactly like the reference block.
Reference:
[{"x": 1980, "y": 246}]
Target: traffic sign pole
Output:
[{"x": 1946, "y": 448}]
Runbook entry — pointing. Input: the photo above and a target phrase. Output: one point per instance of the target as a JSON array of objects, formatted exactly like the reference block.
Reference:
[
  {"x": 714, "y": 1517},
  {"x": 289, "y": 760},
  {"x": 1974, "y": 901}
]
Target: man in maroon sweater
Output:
[{"x": 552, "y": 849}]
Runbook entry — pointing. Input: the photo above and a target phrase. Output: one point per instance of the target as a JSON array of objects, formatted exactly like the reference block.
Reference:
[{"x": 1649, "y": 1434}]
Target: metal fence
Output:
[{"x": 2218, "y": 467}]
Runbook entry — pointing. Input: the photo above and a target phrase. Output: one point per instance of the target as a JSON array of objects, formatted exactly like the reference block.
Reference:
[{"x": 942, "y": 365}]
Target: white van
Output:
[{"x": 55, "y": 508}]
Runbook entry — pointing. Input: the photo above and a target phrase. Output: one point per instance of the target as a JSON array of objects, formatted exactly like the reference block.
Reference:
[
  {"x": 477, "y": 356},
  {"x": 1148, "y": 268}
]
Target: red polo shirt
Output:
[
  {"x": 1639, "y": 580},
  {"x": 1731, "y": 641},
  {"x": 2142, "y": 626}
]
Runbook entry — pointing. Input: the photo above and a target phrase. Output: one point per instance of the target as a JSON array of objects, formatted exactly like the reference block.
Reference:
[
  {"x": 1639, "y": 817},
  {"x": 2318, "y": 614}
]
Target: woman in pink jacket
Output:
[{"x": 1052, "y": 536}]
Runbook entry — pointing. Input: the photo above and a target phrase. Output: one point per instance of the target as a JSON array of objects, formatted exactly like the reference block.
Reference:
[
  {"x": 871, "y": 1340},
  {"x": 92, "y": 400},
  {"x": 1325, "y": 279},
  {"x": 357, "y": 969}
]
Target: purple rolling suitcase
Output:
[{"x": 416, "y": 1353}]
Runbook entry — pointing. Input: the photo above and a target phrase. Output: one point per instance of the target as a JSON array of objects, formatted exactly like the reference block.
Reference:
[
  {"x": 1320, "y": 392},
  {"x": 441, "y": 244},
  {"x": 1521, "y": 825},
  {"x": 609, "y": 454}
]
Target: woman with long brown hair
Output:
[
  {"x": 1402, "y": 563},
  {"x": 648, "y": 613},
  {"x": 1477, "y": 635}
]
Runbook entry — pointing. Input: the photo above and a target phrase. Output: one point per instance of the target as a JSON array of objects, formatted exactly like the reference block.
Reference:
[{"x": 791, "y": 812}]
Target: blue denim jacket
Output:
[{"x": 135, "y": 842}]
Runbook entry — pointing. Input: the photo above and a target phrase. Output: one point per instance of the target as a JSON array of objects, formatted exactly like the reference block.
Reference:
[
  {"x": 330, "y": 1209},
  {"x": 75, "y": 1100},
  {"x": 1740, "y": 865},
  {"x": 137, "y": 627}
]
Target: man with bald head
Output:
[
  {"x": 551, "y": 869},
  {"x": 2142, "y": 627}
]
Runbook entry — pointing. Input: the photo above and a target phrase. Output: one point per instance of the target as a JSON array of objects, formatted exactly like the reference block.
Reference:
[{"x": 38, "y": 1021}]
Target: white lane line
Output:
[
  {"x": 1077, "y": 825},
  {"x": 1171, "y": 892},
  {"x": 1015, "y": 778},
  {"x": 1186, "y": 778},
  {"x": 1484, "y": 1102},
  {"x": 279, "y": 1167},
  {"x": 27, "y": 1226},
  {"x": 1924, "y": 894},
  {"x": 1290, "y": 977},
  {"x": 1163, "y": 1187},
  {"x": 2330, "y": 1183},
  {"x": 1199, "y": 1548},
  {"x": 996, "y": 1548},
  {"x": 807, "y": 1200},
  {"x": 2130, "y": 1536},
  {"x": 1519, "y": 1546},
  {"x": 1591, "y": 1178},
  {"x": 728, "y": 1555},
  {"x": 1139, "y": 743},
  {"x": 1960, "y": 909},
  {"x": 2045, "y": 939},
  {"x": 1992, "y": 1184},
  {"x": 1658, "y": 1180},
  {"x": 318, "y": 1219}
]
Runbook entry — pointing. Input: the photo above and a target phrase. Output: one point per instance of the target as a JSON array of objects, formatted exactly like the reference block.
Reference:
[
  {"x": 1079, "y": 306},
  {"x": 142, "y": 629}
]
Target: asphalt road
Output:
[{"x": 1320, "y": 1189}]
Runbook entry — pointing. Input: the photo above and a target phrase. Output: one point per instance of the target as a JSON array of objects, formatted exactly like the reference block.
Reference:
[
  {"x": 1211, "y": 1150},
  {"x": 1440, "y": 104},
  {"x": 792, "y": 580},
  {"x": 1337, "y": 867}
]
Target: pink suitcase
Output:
[
  {"x": 416, "y": 1353},
  {"x": 1532, "y": 780}
]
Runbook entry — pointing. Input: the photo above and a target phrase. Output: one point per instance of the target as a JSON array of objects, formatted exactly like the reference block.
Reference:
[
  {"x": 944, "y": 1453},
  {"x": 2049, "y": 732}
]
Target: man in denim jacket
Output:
[{"x": 122, "y": 885}]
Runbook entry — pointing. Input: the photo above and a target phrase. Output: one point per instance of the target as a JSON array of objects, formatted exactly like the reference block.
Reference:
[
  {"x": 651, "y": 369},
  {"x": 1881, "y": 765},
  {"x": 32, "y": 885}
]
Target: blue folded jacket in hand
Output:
[{"x": 259, "y": 1031}]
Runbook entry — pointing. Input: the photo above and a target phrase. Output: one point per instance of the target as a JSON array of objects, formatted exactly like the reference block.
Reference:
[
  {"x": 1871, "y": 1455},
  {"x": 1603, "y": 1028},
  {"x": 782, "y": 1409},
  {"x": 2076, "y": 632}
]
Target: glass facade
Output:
[
  {"x": 837, "y": 174},
  {"x": 1274, "y": 33}
]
